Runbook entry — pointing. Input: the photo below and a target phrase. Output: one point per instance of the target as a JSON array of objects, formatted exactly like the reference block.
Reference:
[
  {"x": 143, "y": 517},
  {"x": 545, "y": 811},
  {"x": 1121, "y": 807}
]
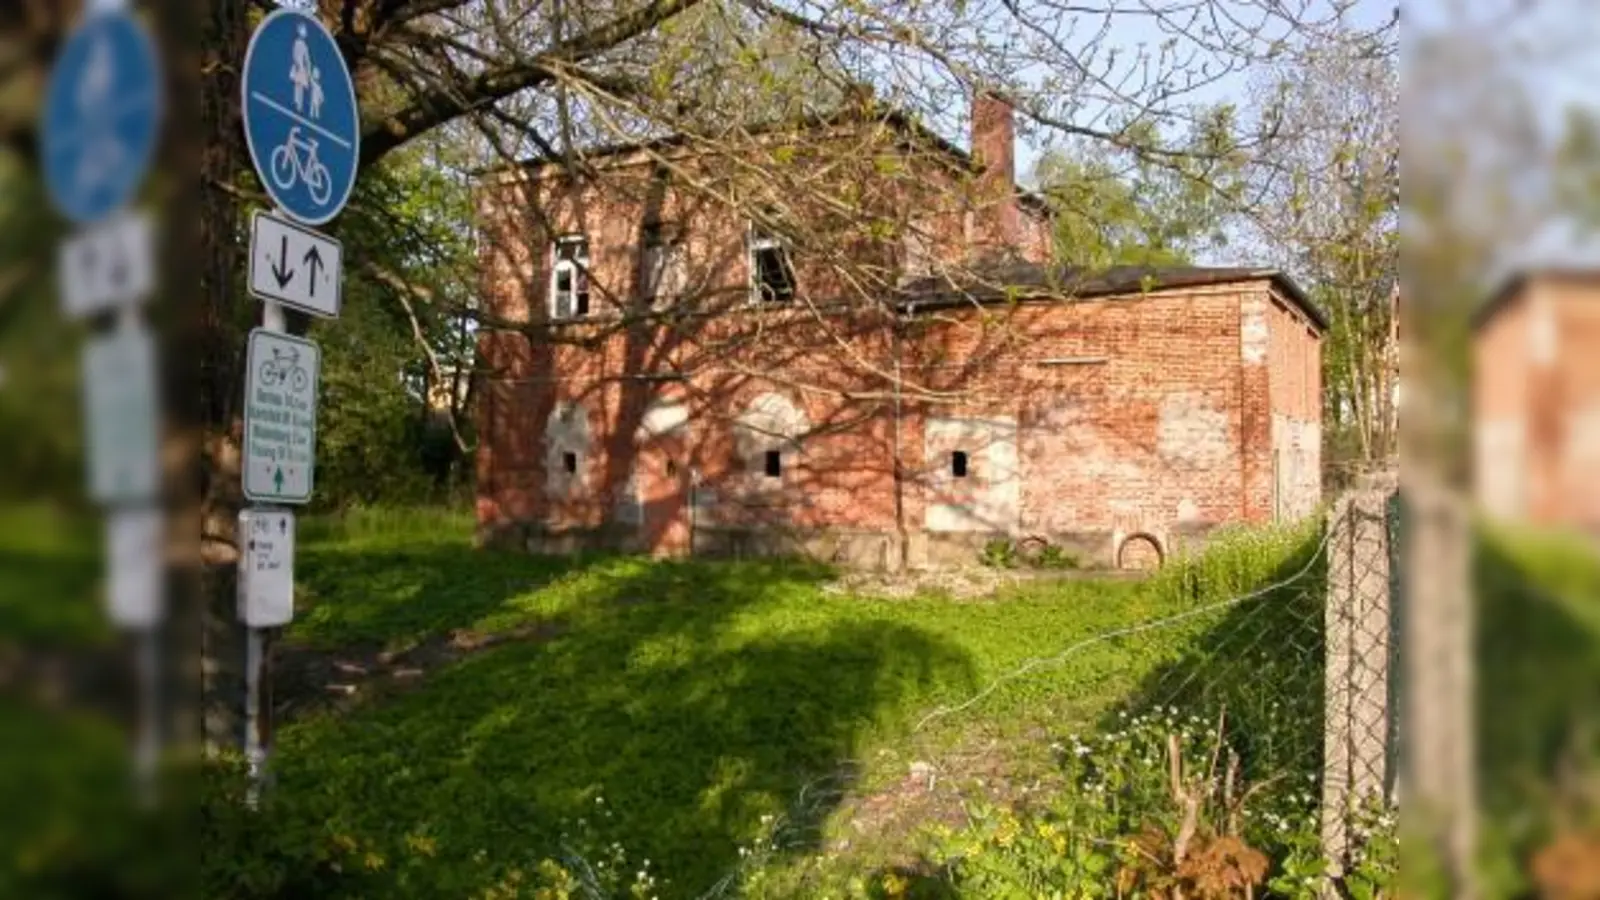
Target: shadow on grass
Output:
[
  {"x": 360, "y": 598},
  {"x": 1538, "y": 679},
  {"x": 666, "y": 706}
]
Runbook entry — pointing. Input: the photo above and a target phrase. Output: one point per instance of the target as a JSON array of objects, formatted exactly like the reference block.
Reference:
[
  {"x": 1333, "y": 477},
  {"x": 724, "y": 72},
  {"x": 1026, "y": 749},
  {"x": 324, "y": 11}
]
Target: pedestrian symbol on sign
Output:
[
  {"x": 101, "y": 109},
  {"x": 300, "y": 116}
]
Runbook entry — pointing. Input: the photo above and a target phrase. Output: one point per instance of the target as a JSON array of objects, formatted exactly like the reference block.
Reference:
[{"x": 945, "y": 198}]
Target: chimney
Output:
[{"x": 994, "y": 150}]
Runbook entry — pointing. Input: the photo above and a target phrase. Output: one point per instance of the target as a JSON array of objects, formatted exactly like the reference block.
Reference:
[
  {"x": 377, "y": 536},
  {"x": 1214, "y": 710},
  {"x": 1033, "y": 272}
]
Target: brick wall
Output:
[
  {"x": 1500, "y": 394},
  {"x": 1294, "y": 386},
  {"x": 909, "y": 201},
  {"x": 1127, "y": 416},
  {"x": 1536, "y": 413},
  {"x": 710, "y": 425},
  {"x": 1577, "y": 402},
  {"x": 1091, "y": 421}
]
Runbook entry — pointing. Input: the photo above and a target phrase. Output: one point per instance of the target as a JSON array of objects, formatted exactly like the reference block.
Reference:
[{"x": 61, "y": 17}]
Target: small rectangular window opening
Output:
[
  {"x": 569, "y": 277},
  {"x": 774, "y": 464},
  {"x": 770, "y": 268},
  {"x": 958, "y": 463},
  {"x": 659, "y": 252},
  {"x": 569, "y": 461}
]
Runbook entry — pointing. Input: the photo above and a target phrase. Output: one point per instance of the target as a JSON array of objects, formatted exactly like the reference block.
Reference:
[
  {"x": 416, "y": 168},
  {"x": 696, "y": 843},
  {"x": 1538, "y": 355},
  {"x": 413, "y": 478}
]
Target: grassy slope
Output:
[
  {"x": 1538, "y": 682},
  {"x": 694, "y": 698}
]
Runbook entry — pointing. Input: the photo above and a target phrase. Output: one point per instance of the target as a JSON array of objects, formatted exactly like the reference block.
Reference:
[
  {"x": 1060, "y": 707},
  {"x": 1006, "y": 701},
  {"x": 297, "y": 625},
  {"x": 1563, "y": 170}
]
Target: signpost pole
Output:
[
  {"x": 302, "y": 129},
  {"x": 147, "y": 750},
  {"x": 257, "y": 714},
  {"x": 255, "y": 750},
  {"x": 97, "y": 137}
]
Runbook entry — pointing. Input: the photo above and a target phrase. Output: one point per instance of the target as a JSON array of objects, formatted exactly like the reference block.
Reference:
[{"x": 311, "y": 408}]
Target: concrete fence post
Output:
[
  {"x": 1358, "y": 624},
  {"x": 1439, "y": 745}
]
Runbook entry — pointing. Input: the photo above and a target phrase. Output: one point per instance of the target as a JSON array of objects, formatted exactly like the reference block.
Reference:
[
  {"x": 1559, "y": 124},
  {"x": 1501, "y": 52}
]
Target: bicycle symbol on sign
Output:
[
  {"x": 296, "y": 160},
  {"x": 284, "y": 368}
]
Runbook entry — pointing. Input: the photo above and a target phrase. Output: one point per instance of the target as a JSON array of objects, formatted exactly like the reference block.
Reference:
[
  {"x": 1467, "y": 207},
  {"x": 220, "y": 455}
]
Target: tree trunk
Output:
[{"x": 222, "y": 314}]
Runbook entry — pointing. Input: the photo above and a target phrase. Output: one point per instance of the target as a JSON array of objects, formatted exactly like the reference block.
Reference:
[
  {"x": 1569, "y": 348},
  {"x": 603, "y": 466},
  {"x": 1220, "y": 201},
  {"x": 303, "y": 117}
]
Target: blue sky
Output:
[
  {"x": 1543, "y": 59},
  {"x": 1547, "y": 46}
]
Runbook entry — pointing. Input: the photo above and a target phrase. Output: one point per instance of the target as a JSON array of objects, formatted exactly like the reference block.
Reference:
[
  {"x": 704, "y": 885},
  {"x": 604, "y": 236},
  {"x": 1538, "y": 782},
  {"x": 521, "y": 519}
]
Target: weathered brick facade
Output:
[
  {"x": 1536, "y": 400},
  {"x": 878, "y": 420}
]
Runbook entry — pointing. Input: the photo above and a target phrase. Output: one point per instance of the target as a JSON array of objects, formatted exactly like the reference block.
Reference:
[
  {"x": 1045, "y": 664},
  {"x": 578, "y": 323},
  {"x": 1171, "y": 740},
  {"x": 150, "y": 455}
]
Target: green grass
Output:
[
  {"x": 1538, "y": 682},
  {"x": 667, "y": 706},
  {"x": 670, "y": 706},
  {"x": 50, "y": 573}
]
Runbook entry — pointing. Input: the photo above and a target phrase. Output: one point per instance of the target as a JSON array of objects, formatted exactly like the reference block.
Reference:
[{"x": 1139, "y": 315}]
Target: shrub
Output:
[
  {"x": 1155, "y": 808},
  {"x": 1053, "y": 557},
  {"x": 999, "y": 553}
]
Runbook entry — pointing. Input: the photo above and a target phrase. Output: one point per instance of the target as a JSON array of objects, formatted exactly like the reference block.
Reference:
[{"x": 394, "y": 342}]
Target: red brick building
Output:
[
  {"x": 895, "y": 384},
  {"x": 1536, "y": 399}
]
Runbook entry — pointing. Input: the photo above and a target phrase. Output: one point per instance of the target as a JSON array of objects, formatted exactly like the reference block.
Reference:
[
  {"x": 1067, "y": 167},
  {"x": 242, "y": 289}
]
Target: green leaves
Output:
[{"x": 1131, "y": 206}]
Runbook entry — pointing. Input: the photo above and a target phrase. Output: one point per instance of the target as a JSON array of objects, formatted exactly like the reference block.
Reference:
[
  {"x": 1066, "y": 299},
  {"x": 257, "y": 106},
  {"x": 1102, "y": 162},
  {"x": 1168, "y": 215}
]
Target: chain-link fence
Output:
[
  {"x": 1264, "y": 705},
  {"x": 1307, "y": 673}
]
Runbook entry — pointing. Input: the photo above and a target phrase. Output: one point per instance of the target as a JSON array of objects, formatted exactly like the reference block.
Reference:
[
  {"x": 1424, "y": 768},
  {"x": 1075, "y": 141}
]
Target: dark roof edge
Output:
[
  {"x": 1513, "y": 285},
  {"x": 1292, "y": 289},
  {"x": 1276, "y": 277}
]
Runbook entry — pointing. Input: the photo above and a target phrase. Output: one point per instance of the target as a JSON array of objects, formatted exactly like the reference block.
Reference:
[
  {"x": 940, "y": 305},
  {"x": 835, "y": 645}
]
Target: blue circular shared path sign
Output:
[
  {"x": 300, "y": 116},
  {"x": 102, "y": 112}
]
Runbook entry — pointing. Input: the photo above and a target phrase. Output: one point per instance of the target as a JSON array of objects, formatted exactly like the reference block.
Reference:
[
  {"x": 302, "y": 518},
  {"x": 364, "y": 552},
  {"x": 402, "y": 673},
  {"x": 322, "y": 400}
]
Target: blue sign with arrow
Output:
[
  {"x": 300, "y": 116},
  {"x": 102, "y": 109}
]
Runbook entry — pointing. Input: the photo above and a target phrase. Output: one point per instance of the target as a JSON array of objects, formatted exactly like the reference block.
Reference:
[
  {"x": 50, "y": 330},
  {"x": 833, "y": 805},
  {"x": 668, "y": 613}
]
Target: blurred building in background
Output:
[{"x": 1536, "y": 399}]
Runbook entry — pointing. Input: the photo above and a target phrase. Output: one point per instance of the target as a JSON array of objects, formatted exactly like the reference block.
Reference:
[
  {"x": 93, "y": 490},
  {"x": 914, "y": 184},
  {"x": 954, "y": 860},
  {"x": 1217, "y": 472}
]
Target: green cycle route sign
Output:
[{"x": 280, "y": 417}]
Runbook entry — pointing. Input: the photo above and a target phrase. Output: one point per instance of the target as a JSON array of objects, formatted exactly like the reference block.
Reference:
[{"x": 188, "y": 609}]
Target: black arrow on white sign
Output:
[
  {"x": 278, "y": 272},
  {"x": 313, "y": 259}
]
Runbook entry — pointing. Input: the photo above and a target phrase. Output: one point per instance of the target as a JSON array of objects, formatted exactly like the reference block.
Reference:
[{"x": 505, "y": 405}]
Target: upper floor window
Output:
[
  {"x": 569, "y": 277},
  {"x": 771, "y": 270},
  {"x": 661, "y": 277}
]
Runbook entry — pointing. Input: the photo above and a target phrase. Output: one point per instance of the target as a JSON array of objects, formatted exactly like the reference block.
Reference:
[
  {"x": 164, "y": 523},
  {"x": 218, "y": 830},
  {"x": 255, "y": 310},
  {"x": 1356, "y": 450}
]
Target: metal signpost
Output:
[
  {"x": 102, "y": 114},
  {"x": 302, "y": 127}
]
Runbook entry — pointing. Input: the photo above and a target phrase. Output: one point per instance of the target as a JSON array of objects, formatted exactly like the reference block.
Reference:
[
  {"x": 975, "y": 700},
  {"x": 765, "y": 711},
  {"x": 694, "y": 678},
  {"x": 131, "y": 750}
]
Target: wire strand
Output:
[{"x": 1041, "y": 661}]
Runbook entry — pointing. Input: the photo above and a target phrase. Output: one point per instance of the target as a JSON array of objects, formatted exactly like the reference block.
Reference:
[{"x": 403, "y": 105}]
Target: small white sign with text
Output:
[
  {"x": 266, "y": 567},
  {"x": 135, "y": 567}
]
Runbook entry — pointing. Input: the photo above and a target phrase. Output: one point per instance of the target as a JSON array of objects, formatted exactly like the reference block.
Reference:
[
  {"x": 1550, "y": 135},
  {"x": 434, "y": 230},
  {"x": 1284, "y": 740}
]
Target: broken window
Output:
[
  {"x": 771, "y": 270},
  {"x": 569, "y": 277},
  {"x": 774, "y": 464},
  {"x": 569, "y": 461},
  {"x": 661, "y": 275},
  {"x": 958, "y": 463}
]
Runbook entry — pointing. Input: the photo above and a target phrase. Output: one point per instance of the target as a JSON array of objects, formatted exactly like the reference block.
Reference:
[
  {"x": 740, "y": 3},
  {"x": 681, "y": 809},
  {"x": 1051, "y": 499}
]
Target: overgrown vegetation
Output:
[
  {"x": 1030, "y": 552},
  {"x": 715, "y": 719},
  {"x": 1158, "y": 808},
  {"x": 618, "y": 727}
]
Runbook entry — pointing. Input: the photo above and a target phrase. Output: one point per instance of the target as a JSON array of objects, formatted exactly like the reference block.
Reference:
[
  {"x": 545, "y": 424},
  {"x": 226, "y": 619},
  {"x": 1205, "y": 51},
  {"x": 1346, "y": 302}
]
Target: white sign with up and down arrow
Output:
[{"x": 295, "y": 266}]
